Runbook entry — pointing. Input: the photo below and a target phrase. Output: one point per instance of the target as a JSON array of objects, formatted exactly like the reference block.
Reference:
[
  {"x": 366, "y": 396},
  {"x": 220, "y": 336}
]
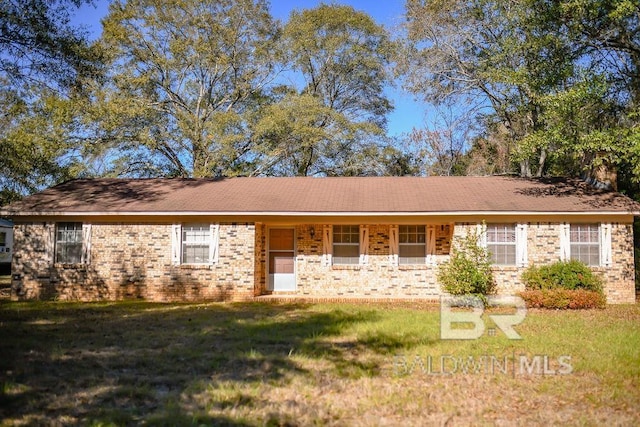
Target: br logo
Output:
[{"x": 504, "y": 322}]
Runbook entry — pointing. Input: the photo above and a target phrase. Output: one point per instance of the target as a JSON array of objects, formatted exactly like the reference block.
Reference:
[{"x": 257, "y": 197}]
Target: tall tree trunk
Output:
[
  {"x": 541, "y": 162},
  {"x": 525, "y": 168}
]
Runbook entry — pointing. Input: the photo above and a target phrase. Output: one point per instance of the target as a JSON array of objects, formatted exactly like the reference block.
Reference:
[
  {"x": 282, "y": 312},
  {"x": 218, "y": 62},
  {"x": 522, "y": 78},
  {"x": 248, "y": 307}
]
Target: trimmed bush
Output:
[
  {"x": 562, "y": 285},
  {"x": 468, "y": 272},
  {"x": 569, "y": 275},
  {"x": 563, "y": 299}
]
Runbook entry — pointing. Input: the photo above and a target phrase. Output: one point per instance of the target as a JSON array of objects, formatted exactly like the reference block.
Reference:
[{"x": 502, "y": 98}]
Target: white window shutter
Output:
[
  {"x": 364, "y": 244},
  {"x": 176, "y": 230},
  {"x": 50, "y": 236},
  {"x": 214, "y": 240},
  {"x": 327, "y": 244},
  {"x": 431, "y": 244},
  {"x": 86, "y": 243},
  {"x": 481, "y": 232},
  {"x": 521, "y": 245},
  {"x": 565, "y": 242},
  {"x": 605, "y": 244},
  {"x": 394, "y": 244}
]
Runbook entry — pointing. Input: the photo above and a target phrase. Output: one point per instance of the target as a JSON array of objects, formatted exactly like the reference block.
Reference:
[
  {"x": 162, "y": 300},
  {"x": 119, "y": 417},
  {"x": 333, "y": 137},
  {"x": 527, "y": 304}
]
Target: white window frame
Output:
[
  {"x": 520, "y": 242},
  {"x": 84, "y": 242},
  {"x": 177, "y": 244},
  {"x": 605, "y": 250},
  {"x": 359, "y": 244},
  {"x": 597, "y": 244},
  {"x": 490, "y": 232},
  {"x": 428, "y": 233}
]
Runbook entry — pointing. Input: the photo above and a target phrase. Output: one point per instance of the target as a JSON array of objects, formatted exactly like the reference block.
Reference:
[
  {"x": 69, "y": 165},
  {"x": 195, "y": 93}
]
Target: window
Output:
[
  {"x": 346, "y": 244},
  {"x": 585, "y": 243},
  {"x": 68, "y": 243},
  {"x": 412, "y": 244},
  {"x": 501, "y": 243},
  {"x": 3, "y": 239},
  {"x": 195, "y": 244}
]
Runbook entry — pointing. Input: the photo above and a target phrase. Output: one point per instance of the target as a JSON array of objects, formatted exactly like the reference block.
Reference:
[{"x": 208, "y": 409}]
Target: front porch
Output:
[{"x": 388, "y": 263}]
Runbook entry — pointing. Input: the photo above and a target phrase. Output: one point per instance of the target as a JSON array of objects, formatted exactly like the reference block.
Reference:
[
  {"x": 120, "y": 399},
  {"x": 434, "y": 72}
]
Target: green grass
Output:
[{"x": 257, "y": 364}]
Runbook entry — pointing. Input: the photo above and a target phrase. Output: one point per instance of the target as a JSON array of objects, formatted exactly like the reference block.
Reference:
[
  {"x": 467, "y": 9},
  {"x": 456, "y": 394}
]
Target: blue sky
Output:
[{"x": 407, "y": 113}]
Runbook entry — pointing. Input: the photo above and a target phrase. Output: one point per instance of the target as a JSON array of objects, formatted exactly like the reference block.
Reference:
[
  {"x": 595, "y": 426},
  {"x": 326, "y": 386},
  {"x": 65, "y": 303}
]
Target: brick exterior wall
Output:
[
  {"x": 379, "y": 278},
  {"x": 543, "y": 247},
  {"x": 620, "y": 277},
  {"x": 134, "y": 261}
]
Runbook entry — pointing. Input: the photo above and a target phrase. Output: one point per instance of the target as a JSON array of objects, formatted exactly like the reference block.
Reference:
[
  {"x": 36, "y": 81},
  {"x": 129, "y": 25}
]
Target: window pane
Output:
[
  {"x": 346, "y": 234},
  {"x": 195, "y": 253},
  {"x": 412, "y": 251},
  {"x": 584, "y": 233},
  {"x": 501, "y": 233},
  {"x": 412, "y": 234},
  {"x": 502, "y": 254},
  {"x": 3, "y": 239},
  {"x": 411, "y": 254},
  {"x": 195, "y": 233},
  {"x": 586, "y": 253},
  {"x": 346, "y": 254},
  {"x": 70, "y": 253}
]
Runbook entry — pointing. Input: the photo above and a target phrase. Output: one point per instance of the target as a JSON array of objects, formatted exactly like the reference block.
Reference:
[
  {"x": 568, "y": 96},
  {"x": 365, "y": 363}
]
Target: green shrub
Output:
[
  {"x": 564, "y": 275},
  {"x": 468, "y": 272},
  {"x": 563, "y": 299}
]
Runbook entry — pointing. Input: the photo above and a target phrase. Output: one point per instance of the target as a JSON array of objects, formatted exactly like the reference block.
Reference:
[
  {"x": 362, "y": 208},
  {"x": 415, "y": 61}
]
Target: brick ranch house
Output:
[{"x": 334, "y": 238}]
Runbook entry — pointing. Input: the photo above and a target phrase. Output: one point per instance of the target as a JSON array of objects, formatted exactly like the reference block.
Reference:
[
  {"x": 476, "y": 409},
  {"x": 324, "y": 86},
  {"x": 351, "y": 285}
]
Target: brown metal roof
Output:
[{"x": 304, "y": 195}]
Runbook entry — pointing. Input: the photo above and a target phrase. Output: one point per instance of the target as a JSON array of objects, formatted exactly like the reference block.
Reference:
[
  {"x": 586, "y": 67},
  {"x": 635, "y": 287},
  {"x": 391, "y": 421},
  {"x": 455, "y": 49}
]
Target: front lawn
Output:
[{"x": 298, "y": 364}]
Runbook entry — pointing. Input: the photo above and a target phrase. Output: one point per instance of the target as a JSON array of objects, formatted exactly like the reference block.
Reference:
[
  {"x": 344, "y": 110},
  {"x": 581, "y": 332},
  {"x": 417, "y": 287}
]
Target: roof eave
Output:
[{"x": 303, "y": 214}]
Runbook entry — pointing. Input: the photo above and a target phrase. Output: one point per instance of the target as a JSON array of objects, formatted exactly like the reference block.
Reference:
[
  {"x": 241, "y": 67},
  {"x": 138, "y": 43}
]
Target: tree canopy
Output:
[
  {"x": 187, "y": 75},
  {"x": 327, "y": 121},
  {"x": 220, "y": 88},
  {"x": 44, "y": 62},
  {"x": 557, "y": 81}
]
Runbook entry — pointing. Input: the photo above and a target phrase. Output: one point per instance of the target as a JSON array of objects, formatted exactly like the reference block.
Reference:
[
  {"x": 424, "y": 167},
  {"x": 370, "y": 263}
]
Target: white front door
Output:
[{"x": 282, "y": 276}]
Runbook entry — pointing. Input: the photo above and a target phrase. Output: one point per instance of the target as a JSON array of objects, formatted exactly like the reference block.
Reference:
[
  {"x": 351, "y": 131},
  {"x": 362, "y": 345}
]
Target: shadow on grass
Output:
[{"x": 129, "y": 363}]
